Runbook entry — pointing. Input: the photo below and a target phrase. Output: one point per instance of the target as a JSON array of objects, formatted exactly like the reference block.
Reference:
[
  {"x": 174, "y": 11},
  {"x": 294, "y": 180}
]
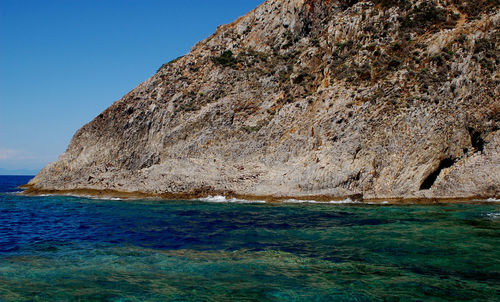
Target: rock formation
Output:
[{"x": 305, "y": 98}]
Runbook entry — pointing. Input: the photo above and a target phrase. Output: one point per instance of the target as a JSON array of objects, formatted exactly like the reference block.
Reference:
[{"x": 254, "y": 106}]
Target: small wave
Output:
[
  {"x": 223, "y": 199},
  {"x": 493, "y": 215},
  {"x": 95, "y": 197},
  {"x": 102, "y": 198},
  {"x": 492, "y": 200},
  {"x": 382, "y": 202},
  {"x": 344, "y": 201},
  {"x": 13, "y": 193},
  {"x": 81, "y": 196}
]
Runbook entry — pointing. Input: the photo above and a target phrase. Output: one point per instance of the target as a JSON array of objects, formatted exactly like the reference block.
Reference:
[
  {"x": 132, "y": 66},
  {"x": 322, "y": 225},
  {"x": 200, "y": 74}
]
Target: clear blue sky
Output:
[{"x": 63, "y": 62}]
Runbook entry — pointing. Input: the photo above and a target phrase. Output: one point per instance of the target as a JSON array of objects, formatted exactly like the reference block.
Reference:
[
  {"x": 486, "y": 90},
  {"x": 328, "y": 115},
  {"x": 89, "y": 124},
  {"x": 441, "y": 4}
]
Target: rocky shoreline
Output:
[{"x": 353, "y": 199}]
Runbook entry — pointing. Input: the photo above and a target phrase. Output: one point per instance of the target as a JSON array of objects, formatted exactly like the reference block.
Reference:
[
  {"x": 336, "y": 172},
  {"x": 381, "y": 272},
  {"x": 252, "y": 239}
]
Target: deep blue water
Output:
[{"x": 62, "y": 248}]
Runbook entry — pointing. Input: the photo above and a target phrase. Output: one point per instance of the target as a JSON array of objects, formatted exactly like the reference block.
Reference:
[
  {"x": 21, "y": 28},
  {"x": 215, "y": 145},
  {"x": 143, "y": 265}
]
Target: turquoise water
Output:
[{"x": 80, "y": 249}]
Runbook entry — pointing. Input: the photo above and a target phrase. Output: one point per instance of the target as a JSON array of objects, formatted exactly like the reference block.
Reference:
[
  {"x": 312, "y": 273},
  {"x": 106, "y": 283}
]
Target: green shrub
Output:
[
  {"x": 250, "y": 129},
  {"x": 315, "y": 42},
  {"x": 226, "y": 59},
  {"x": 438, "y": 59},
  {"x": 461, "y": 39},
  {"x": 170, "y": 62},
  {"x": 474, "y": 8},
  {"x": 394, "y": 63},
  {"x": 391, "y": 3},
  {"x": 483, "y": 45},
  {"x": 423, "y": 16}
]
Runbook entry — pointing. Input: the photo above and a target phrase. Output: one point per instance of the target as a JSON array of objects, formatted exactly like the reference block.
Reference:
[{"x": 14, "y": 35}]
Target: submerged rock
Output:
[{"x": 373, "y": 99}]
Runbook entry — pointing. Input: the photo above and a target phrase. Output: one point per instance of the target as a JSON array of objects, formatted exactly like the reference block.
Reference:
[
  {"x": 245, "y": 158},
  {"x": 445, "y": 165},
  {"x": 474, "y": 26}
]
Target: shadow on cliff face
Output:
[
  {"x": 429, "y": 180},
  {"x": 476, "y": 140}
]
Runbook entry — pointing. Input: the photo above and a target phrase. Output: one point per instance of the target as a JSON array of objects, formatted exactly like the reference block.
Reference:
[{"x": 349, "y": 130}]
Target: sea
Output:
[{"x": 74, "y": 248}]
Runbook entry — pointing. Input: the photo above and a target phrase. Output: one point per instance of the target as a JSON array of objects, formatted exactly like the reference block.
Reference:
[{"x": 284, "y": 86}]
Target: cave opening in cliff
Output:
[
  {"x": 429, "y": 180},
  {"x": 476, "y": 140}
]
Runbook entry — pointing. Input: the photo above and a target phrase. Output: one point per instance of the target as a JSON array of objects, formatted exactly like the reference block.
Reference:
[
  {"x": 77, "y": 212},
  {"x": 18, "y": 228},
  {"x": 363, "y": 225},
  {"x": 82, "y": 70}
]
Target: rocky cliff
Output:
[{"x": 305, "y": 98}]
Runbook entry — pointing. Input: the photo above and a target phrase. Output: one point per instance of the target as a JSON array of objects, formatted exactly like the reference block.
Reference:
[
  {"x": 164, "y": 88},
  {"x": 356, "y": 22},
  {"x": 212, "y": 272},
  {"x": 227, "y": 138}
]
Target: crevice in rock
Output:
[
  {"x": 152, "y": 160},
  {"x": 352, "y": 179},
  {"x": 429, "y": 180},
  {"x": 476, "y": 140}
]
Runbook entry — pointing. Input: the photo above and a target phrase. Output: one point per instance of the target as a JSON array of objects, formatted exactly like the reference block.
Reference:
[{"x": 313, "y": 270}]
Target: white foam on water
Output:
[
  {"x": 345, "y": 201},
  {"x": 382, "y": 202},
  {"x": 14, "y": 193},
  {"x": 91, "y": 196},
  {"x": 81, "y": 196},
  {"x": 493, "y": 215},
  {"x": 223, "y": 199},
  {"x": 299, "y": 201},
  {"x": 104, "y": 198},
  {"x": 217, "y": 198},
  {"x": 492, "y": 200}
]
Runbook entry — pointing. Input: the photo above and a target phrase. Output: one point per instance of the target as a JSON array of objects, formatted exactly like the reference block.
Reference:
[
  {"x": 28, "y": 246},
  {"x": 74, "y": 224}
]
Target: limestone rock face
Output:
[{"x": 307, "y": 98}]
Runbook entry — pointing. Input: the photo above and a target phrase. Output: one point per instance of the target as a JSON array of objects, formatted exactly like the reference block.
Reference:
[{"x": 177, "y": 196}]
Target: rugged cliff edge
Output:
[{"x": 373, "y": 99}]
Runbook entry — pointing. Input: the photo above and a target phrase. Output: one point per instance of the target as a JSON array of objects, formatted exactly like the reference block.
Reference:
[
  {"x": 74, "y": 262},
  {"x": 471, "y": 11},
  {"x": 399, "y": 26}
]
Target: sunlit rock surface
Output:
[{"x": 375, "y": 99}]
